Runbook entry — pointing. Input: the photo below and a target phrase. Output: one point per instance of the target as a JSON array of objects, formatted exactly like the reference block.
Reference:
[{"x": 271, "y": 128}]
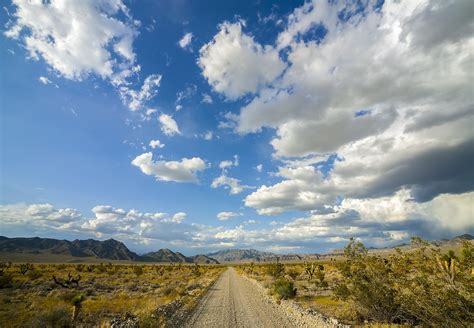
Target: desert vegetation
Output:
[
  {"x": 423, "y": 286},
  {"x": 100, "y": 295}
]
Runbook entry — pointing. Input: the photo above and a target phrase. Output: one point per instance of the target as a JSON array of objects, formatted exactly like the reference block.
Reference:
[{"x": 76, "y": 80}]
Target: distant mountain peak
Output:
[{"x": 465, "y": 236}]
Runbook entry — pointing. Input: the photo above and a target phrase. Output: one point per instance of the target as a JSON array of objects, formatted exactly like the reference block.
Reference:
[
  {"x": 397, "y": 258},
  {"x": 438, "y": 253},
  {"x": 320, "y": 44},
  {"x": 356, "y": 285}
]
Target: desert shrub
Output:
[
  {"x": 80, "y": 267},
  {"x": 101, "y": 268},
  {"x": 196, "y": 270},
  {"x": 276, "y": 270},
  {"x": 25, "y": 267},
  {"x": 369, "y": 284},
  {"x": 53, "y": 318},
  {"x": 293, "y": 273},
  {"x": 35, "y": 274},
  {"x": 320, "y": 274},
  {"x": 6, "y": 280},
  {"x": 284, "y": 289},
  {"x": 417, "y": 287},
  {"x": 138, "y": 270}
]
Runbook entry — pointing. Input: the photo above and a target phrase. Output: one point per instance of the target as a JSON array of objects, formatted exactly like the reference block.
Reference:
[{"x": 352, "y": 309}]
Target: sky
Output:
[{"x": 204, "y": 125}]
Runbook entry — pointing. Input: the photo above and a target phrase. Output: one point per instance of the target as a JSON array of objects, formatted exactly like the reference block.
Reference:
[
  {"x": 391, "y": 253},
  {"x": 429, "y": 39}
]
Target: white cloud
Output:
[
  {"x": 303, "y": 189},
  {"x": 224, "y": 216},
  {"x": 259, "y": 167},
  {"x": 136, "y": 99},
  {"x": 207, "y": 99},
  {"x": 38, "y": 214},
  {"x": 178, "y": 107},
  {"x": 221, "y": 62},
  {"x": 225, "y": 164},
  {"x": 179, "y": 171},
  {"x": 233, "y": 184},
  {"x": 179, "y": 217},
  {"x": 377, "y": 222},
  {"x": 208, "y": 135},
  {"x": 187, "y": 93},
  {"x": 186, "y": 40},
  {"x": 367, "y": 87},
  {"x": 251, "y": 221},
  {"x": 76, "y": 38},
  {"x": 135, "y": 225},
  {"x": 236, "y": 160},
  {"x": 44, "y": 80},
  {"x": 228, "y": 163},
  {"x": 156, "y": 144},
  {"x": 168, "y": 125}
]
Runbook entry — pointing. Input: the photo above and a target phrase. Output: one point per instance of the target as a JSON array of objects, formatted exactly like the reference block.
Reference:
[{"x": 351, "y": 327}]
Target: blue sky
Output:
[{"x": 286, "y": 127}]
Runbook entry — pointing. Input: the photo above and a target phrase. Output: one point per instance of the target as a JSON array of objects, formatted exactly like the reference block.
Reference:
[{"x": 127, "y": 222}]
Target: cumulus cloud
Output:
[
  {"x": 228, "y": 163},
  {"x": 156, "y": 144},
  {"x": 364, "y": 83},
  {"x": 221, "y": 62},
  {"x": 185, "y": 42},
  {"x": 179, "y": 171},
  {"x": 168, "y": 125},
  {"x": 82, "y": 38},
  {"x": 388, "y": 220},
  {"x": 234, "y": 185},
  {"x": 224, "y": 216},
  {"x": 303, "y": 188},
  {"x": 38, "y": 214},
  {"x": 225, "y": 164},
  {"x": 378, "y": 222},
  {"x": 76, "y": 38}
]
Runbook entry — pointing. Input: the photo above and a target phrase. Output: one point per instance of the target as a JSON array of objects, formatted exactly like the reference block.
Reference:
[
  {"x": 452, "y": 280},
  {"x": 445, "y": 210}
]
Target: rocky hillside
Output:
[
  {"x": 242, "y": 255},
  {"x": 107, "y": 249},
  {"x": 47, "y": 248},
  {"x": 204, "y": 259},
  {"x": 166, "y": 255}
]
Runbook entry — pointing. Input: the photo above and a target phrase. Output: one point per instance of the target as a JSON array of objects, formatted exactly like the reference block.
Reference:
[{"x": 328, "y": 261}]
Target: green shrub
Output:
[
  {"x": 138, "y": 270},
  {"x": 284, "y": 289},
  {"x": 53, "y": 318},
  {"x": 6, "y": 280},
  {"x": 276, "y": 270},
  {"x": 292, "y": 273},
  {"x": 419, "y": 287},
  {"x": 35, "y": 274},
  {"x": 320, "y": 274}
]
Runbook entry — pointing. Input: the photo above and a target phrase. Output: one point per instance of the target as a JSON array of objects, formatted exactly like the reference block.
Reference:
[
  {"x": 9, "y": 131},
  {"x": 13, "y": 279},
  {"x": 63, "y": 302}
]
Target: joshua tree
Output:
[
  {"x": 251, "y": 268},
  {"x": 195, "y": 270},
  {"x": 309, "y": 269},
  {"x": 70, "y": 282},
  {"x": 24, "y": 268},
  {"x": 320, "y": 275}
]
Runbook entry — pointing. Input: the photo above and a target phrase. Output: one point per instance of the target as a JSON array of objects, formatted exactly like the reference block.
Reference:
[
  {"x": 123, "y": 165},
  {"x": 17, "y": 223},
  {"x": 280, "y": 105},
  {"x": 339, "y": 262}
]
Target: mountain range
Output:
[
  {"x": 55, "y": 250},
  {"x": 110, "y": 249}
]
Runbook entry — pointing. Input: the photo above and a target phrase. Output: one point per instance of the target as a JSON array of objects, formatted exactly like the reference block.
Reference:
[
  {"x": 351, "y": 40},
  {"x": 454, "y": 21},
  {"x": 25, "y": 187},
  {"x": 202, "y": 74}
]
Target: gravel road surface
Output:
[{"x": 234, "y": 301}]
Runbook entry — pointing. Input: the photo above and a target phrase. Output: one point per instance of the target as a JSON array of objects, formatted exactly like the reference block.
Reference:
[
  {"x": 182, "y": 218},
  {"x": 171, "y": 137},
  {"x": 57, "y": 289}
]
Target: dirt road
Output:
[{"x": 234, "y": 301}]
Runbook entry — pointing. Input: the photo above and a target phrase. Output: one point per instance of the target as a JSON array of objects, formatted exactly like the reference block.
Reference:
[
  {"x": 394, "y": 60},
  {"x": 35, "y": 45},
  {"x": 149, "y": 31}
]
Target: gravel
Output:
[{"x": 236, "y": 301}]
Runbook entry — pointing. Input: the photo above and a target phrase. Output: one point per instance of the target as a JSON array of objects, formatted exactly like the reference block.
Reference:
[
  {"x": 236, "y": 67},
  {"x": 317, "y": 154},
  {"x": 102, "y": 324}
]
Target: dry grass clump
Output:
[{"x": 84, "y": 295}]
